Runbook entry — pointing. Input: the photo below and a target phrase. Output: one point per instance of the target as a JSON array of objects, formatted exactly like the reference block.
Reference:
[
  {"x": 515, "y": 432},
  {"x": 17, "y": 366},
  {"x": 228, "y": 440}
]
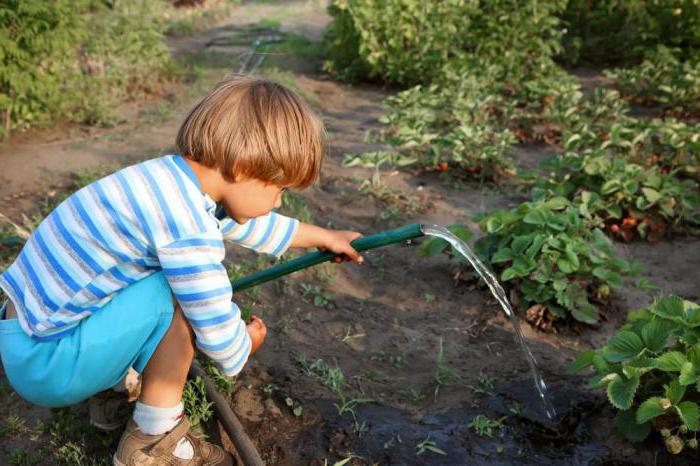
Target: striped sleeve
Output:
[
  {"x": 195, "y": 273},
  {"x": 271, "y": 233}
]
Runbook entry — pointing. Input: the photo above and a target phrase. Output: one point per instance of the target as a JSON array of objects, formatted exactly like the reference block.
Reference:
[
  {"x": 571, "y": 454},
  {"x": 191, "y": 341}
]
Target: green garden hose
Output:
[{"x": 361, "y": 244}]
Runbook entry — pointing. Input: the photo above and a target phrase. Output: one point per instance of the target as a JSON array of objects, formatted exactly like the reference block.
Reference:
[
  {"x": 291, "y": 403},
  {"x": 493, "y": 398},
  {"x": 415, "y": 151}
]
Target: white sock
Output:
[{"x": 152, "y": 420}]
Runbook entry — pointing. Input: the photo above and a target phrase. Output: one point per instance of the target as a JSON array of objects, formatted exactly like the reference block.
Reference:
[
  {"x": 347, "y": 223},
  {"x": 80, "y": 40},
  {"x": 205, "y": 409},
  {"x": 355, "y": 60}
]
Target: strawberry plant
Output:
[
  {"x": 662, "y": 78},
  {"x": 672, "y": 145},
  {"x": 651, "y": 371},
  {"x": 455, "y": 129},
  {"x": 627, "y": 198},
  {"x": 550, "y": 255}
]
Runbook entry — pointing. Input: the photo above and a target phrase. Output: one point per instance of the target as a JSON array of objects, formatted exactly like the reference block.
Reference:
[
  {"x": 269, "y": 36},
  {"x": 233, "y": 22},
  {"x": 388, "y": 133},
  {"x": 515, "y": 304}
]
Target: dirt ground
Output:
[{"x": 384, "y": 322}]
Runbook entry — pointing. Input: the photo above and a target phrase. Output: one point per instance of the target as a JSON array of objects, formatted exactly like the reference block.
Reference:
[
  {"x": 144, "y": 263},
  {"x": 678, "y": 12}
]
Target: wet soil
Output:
[{"x": 386, "y": 320}]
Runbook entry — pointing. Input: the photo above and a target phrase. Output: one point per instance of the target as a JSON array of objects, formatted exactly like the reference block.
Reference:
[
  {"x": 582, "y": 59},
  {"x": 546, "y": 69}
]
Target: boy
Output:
[{"x": 127, "y": 271}]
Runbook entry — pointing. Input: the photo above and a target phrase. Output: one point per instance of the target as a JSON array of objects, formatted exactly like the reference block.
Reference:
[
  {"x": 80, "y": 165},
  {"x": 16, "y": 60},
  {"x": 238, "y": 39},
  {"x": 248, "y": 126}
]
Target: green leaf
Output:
[
  {"x": 493, "y": 224},
  {"x": 610, "y": 186},
  {"x": 621, "y": 391},
  {"x": 610, "y": 277},
  {"x": 597, "y": 381},
  {"x": 461, "y": 232},
  {"x": 502, "y": 255},
  {"x": 520, "y": 243},
  {"x": 431, "y": 246},
  {"x": 626, "y": 424},
  {"x": 638, "y": 367},
  {"x": 688, "y": 374},
  {"x": 649, "y": 409},
  {"x": 674, "y": 391},
  {"x": 601, "y": 365},
  {"x": 652, "y": 195},
  {"x": 694, "y": 354},
  {"x": 571, "y": 142},
  {"x": 582, "y": 361},
  {"x": 556, "y": 203},
  {"x": 518, "y": 269},
  {"x": 678, "y": 310},
  {"x": 672, "y": 361},
  {"x": 535, "y": 247},
  {"x": 535, "y": 217},
  {"x": 585, "y": 313},
  {"x": 623, "y": 346},
  {"x": 689, "y": 413},
  {"x": 655, "y": 334}
]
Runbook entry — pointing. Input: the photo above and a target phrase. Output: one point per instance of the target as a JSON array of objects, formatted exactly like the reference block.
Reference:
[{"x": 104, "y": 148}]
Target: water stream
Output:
[{"x": 500, "y": 295}]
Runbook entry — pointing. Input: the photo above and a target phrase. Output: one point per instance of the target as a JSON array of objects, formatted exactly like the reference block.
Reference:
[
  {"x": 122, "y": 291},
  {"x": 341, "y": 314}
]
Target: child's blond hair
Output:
[{"x": 255, "y": 128}]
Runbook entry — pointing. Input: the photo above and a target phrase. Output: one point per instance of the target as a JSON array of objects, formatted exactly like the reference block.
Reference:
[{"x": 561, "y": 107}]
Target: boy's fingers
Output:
[{"x": 354, "y": 255}]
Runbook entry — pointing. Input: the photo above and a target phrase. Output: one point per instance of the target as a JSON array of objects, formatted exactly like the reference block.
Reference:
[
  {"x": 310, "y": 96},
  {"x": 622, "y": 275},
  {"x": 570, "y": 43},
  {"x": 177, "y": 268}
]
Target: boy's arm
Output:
[
  {"x": 270, "y": 234},
  {"x": 196, "y": 275},
  {"x": 337, "y": 241},
  {"x": 274, "y": 234}
]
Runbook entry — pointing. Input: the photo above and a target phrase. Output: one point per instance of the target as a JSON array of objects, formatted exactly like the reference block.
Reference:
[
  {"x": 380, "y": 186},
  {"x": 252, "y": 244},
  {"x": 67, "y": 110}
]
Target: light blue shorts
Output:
[{"x": 97, "y": 354}]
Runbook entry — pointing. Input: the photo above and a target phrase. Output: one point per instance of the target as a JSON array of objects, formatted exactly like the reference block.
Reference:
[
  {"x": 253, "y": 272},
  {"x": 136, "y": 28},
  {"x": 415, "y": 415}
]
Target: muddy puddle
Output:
[{"x": 391, "y": 436}]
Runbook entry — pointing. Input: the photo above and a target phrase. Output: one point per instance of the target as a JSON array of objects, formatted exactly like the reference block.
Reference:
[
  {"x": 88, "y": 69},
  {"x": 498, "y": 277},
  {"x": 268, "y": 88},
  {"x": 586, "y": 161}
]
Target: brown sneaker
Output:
[
  {"x": 109, "y": 410},
  {"x": 137, "y": 448}
]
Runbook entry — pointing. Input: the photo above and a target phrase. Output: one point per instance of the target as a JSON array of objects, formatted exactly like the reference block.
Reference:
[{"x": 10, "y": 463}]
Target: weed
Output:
[
  {"x": 224, "y": 384},
  {"x": 485, "y": 387},
  {"x": 68, "y": 431},
  {"x": 295, "y": 406},
  {"x": 443, "y": 375},
  {"x": 428, "y": 445},
  {"x": 75, "y": 454},
  {"x": 12, "y": 426},
  {"x": 516, "y": 409},
  {"x": 333, "y": 378},
  {"x": 318, "y": 296},
  {"x": 22, "y": 457},
  {"x": 197, "y": 408},
  {"x": 484, "y": 426}
]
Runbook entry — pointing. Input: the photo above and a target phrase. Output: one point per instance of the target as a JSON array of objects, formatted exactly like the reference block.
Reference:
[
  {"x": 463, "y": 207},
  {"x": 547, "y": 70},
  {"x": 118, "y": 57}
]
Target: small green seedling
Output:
[
  {"x": 485, "y": 427},
  {"x": 428, "y": 445},
  {"x": 319, "y": 297},
  {"x": 296, "y": 408}
]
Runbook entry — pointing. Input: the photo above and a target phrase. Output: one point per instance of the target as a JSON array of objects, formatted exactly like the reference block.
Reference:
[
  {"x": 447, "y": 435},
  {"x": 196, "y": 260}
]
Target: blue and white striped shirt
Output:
[{"x": 123, "y": 228}]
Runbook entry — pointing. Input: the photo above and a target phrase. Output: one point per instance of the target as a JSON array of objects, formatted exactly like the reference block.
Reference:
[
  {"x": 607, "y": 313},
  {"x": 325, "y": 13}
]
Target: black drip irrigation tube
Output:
[{"x": 229, "y": 421}]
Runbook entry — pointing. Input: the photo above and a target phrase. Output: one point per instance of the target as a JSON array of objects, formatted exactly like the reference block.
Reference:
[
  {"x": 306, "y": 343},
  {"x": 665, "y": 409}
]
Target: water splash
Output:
[{"x": 500, "y": 295}]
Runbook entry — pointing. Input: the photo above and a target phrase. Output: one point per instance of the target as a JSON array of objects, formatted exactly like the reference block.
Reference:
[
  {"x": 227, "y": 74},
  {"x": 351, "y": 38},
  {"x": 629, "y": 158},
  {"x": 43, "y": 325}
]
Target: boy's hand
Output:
[
  {"x": 256, "y": 331},
  {"x": 338, "y": 241}
]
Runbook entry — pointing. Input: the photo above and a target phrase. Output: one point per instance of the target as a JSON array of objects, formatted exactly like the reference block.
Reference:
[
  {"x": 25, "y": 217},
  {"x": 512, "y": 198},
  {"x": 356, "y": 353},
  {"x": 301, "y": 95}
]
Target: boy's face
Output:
[{"x": 249, "y": 198}]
